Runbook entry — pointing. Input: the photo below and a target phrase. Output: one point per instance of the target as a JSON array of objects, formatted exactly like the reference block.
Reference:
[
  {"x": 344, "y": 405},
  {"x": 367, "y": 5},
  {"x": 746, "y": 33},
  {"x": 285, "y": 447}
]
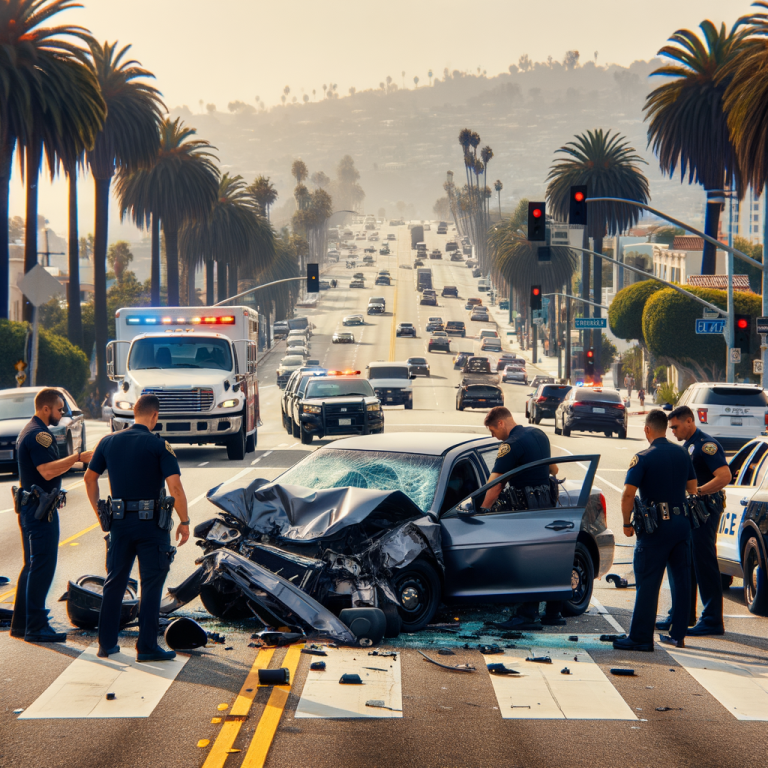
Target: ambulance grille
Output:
[{"x": 182, "y": 400}]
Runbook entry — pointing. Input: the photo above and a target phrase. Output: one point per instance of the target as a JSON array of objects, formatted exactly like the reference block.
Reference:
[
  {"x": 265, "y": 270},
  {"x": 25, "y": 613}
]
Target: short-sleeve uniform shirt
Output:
[
  {"x": 706, "y": 454},
  {"x": 661, "y": 473},
  {"x": 522, "y": 446},
  {"x": 35, "y": 446},
  {"x": 138, "y": 462}
]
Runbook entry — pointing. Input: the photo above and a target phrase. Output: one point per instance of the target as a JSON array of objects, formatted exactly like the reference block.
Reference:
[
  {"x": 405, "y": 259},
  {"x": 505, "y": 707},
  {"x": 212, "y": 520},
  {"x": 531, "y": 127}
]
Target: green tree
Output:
[
  {"x": 755, "y": 250},
  {"x": 299, "y": 171},
  {"x": 625, "y": 315},
  {"x": 498, "y": 186},
  {"x": 609, "y": 351},
  {"x": 119, "y": 256},
  {"x": 687, "y": 122},
  {"x": 128, "y": 140},
  {"x": 666, "y": 235},
  {"x": 180, "y": 184},
  {"x": 609, "y": 167},
  {"x": 345, "y": 190},
  {"x": 264, "y": 193}
]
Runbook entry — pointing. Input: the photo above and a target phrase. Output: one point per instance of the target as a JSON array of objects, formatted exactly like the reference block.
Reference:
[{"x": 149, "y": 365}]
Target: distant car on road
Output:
[
  {"x": 450, "y": 290},
  {"x": 391, "y": 236},
  {"x": 429, "y": 298},
  {"x": 439, "y": 341},
  {"x": 356, "y": 283},
  {"x": 343, "y": 337},
  {"x": 591, "y": 409},
  {"x": 509, "y": 359},
  {"x": 353, "y": 320},
  {"x": 451, "y": 246},
  {"x": 456, "y": 328},
  {"x": 406, "y": 329},
  {"x": 514, "y": 374},
  {"x": 545, "y": 401},
  {"x": 435, "y": 324},
  {"x": 406, "y": 266},
  {"x": 456, "y": 256},
  {"x": 472, "y": 395},
  {"x": 460, "y": 360},
  {"x": 542, "y": 380},
  {"x": 480, "y": 315},
  {"x": 490, "y": 344},
  {"x": 418, "y": 366},
  {"x": 478, "y": 365}
]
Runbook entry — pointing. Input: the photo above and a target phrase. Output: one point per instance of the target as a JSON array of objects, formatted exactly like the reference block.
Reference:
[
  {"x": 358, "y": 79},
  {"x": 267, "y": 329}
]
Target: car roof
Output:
[{"x": 429, "y": 443}]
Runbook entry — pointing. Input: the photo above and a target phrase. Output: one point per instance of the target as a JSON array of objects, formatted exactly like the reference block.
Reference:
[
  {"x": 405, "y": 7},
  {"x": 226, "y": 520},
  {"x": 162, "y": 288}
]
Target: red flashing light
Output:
[
  {"x": 536, "y": 213},
  {"x": 535, "y": 291},
  {"x": 590, "y": 353},
  {"x": 742, "y": 323},
  {"x": 579, "y": 197}
]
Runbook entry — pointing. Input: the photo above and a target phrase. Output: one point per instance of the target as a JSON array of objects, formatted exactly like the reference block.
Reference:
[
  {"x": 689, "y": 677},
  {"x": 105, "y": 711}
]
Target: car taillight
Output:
[
  {"x": 620, "y": 406},
  {"x": 766, "y": 418},
  {"x": 540, "y": 399},
  {"x": 579, "y": 403},
  {"x": 605, "y": 509},
  {"x": 702, "y": 414}
]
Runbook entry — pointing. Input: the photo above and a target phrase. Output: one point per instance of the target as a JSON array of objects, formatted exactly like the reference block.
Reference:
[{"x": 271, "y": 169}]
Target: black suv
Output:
[
  {"x": 456, "y": 328},
  {"x": 473, "y": 395},
  {"x": 451, "y": 246},
  {"x": 450, "y": 290},
  {"x": 590, "y": 409},
  {"x": 544, "y": 403},
  {"x": 340, "y": 404},
  {"x": 294, "y": 389}
]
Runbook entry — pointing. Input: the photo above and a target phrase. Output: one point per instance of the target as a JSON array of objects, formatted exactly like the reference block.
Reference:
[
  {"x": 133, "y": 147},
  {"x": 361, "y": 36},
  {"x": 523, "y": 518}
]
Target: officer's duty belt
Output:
[
  {"x": 141, "y": 505},
  {"x": 663, "y": 506}
]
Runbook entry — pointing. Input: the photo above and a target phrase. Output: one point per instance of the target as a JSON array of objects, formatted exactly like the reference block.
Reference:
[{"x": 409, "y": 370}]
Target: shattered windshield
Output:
[{"x": 413, "y": 474}]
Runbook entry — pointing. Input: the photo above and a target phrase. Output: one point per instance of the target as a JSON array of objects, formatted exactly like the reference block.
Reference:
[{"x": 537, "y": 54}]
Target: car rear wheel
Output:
[
  {"x": 537, "y": 419},
  {"x": 409, "y": 405},
  {"x": 417, "y": 588},
  {"x": 582, "y": 582},
  {"x": 566, "y": 431},
  {"x": 250, "y": 442},
  {"x": 295, "y": 429},
  {"x": 755, "y": 582},
  {"x": 622, "y": 434},
  {"x": 558, "y": 431}
]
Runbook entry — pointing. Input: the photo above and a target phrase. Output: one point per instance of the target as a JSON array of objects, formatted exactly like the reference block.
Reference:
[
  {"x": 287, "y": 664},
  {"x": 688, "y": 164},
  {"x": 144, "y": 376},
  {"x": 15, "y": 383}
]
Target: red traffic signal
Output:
[
  {"x": 590, "y": 352},
  {"x": 577, "y": 210},
  {"x": 535, "y": 298},
  {"x": 536, "y": 213},
  {"x": 536, "y": 291},
  {"x": 537, "y": 222},
  {"x": 742, "y": 323},
  {"x": 578, "y": 196}
]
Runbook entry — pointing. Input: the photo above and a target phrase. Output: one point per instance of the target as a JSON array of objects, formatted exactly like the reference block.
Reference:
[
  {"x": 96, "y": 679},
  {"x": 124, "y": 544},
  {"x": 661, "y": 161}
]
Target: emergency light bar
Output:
[
  {"x": 343, "y": 373},
  {"x": 169, "y": 320}
]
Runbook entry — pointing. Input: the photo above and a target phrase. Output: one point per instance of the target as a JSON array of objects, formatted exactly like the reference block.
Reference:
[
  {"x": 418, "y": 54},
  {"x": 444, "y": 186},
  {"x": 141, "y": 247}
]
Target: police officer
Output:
[
  {"x": 40, "y": 465},
  {"x": 712, "y": 474},
  {"x": 139, "y": 463},
  {"x": 522, "y": 445},
  {"x": 662, "y": 474}
]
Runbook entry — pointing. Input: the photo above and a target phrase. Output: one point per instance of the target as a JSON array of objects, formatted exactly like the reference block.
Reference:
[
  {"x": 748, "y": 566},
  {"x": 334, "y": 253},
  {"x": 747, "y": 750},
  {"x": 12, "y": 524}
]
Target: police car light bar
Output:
[
  {"x": 150, "y": 320},
  {"x": 343, "y": 373}
]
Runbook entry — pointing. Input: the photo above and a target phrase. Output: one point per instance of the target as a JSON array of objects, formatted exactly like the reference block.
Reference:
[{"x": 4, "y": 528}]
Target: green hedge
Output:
[
  {"x": 61, "y": 364},
  {"x": 625, "y": 315}
]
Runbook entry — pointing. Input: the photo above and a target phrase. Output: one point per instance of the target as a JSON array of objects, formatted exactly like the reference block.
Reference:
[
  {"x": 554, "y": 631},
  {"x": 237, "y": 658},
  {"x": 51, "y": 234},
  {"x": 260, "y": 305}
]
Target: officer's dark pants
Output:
[
  {"x": 130, "y": 538},
  {"x": 669, "y": 546},
  {"x": 706, "y": 572},
  {"x": 40, "y": 540}
]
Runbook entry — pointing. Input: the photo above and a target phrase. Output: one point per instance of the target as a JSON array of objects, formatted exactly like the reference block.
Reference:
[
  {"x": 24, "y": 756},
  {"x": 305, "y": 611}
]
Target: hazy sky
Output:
[{"x": 222, "y": 50}]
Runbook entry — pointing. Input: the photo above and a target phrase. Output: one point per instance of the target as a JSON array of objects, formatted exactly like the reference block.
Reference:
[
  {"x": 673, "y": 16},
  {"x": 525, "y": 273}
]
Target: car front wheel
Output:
[
  {"x": 582, "y": 582},
  {"x": 417, "y": 588},
  {"x": 755, "y": 581}
]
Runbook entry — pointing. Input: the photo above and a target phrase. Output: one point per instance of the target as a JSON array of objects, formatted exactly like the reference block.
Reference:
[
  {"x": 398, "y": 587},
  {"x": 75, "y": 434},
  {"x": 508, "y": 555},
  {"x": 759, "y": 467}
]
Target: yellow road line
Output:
[
  {"x": 262, "y": 739},
  {"x": 8, "y": 593},
  {"x": 242, "y": 706}
]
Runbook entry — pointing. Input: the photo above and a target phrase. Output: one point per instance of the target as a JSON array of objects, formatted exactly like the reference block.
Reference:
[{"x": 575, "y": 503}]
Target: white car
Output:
[
  {"x": 514, "y": 374},
  {"x": 733, "y": 414},
  {"x": 488, "y": 333}
]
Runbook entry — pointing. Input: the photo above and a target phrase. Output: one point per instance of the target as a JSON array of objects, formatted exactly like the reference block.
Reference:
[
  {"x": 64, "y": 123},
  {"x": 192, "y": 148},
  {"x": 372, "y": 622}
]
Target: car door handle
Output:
[{"x": 559, "y": 525}]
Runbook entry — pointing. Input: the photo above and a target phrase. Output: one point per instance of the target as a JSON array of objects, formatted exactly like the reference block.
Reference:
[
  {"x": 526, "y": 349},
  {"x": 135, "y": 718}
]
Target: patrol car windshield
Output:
[
  {"x": 339, "y": 388},
  {"x": 17, "y": 406},
  {"x": 163, "y": 353},
  {"x": 413, "y": 474},
  {"x": 388, "y": 372},
  {"x": 733, "y": 396}
]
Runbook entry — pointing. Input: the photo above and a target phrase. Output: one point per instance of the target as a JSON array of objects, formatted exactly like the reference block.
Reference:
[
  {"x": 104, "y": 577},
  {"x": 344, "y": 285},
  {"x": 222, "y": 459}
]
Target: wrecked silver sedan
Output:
[{"x": 367, "y": 522}]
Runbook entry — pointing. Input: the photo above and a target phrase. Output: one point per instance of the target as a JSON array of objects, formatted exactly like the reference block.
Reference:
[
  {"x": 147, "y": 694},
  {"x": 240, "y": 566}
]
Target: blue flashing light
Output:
[{"x": 579, "y": 383}]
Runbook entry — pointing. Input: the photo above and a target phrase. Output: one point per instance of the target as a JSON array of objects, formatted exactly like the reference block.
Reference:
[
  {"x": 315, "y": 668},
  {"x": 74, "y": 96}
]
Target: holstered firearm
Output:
[
  {"x": 644, "y": 519},
  {"x": 17, "y": 494},
  {"x": 538, "y": 496},
  {"x": 48, "y": 503},
  {"x": 104, "y": 511},
  {"x": 698, "y": 510},
  {"x": 165, "y": 511},
  {"x": 714, "y": 502}
]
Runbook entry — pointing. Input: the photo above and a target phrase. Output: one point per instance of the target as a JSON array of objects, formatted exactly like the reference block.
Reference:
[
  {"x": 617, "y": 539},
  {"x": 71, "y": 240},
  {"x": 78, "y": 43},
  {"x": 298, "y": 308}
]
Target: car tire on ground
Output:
[
  {"x": 250, "y": 442},
  {"x": 566, "y": 431},
  {"x": 295, "y": 429},
  {"x": 582, "y": 582},
  {"x": 409, "y": 405},
  {"x": 236, "y": 443},
  {"x": 622, "y": 434},
  {"x": 417, "y": 587},
  {"x": 537, "y": 419},
  {"x": 558, "y": 431},
  {"x": 306, "y": 437},
  {"x": 755, "y": 581}
]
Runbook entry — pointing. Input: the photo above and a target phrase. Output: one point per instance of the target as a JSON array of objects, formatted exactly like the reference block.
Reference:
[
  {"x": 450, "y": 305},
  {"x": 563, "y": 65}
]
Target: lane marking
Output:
[
  {"x": 242, "y": 706},
  {"x": 258, "y": 749},
  {"x": 78, "y": 535},
  {"x": 541, "y": 692},
  {"x": 204, "y": 464},
  {"x": 584, "y": 467},
  {"x": 603, "y": 611}
]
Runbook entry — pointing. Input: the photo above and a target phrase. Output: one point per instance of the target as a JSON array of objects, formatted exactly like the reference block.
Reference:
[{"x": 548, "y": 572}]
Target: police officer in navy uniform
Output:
[
  {"x": 40, "y": 465},
  {"x": 139, "y": 464},
  {"x": 519, "y": 446},
  {"x": 662, "y": 473},
  {"x": 712, "y": 474}
]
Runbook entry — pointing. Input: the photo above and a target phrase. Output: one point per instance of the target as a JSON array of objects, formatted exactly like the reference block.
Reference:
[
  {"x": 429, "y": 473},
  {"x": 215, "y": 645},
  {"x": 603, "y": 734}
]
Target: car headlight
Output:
[
  {"x": 312, "y": 409},
  {"x": 228, "y": 404},
  {"x": 374, "y": 407},
  {"x": 124, "y": 405}
]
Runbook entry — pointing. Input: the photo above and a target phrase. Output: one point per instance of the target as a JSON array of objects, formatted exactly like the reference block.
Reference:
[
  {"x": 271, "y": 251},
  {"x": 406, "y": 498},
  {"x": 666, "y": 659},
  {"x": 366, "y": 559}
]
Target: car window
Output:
[
  {"x": 737, "y": 462},
  {"x": 488, "y": 455},
  {"x": 761, "y": 473},
  {"x": 732, "y": 396},
  {"x": 17, "y": 405},
  {"x": 340, "y": 388},
  {"x": 750, "y": 467},
  {"x": 553, "y": 390},
  {"x": 480, "y": 390},
  {"x": 463, "y": 482},
  {"x": 590, "y": 395}
]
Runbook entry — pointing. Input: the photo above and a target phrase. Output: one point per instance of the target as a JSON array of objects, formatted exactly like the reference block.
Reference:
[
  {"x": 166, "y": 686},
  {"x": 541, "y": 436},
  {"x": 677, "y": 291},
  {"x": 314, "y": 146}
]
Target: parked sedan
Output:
[
  {"x": 418, "y": 366},
  {"x": 343, "y": 337},
  {"x": 545, "y": 402},
  {"x": 406, "y": 329},
  {"x": 591, "y": 409},
  {"x": 439, "y": 341},
  {"x": 353, "y": 320},
  {"x": 17, "y": 407}
]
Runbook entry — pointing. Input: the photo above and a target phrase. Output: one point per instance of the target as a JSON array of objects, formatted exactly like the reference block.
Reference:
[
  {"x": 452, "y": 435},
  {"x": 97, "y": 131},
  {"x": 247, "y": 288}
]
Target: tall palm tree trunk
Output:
[
  {"x": 232, "y": 275},
  {"x": 171, "y": 233},
  {"x": 221, "y": 280},
  {"x": 155, "y": 265},
  {"x": 209, "y": 283},
  {"x": 74, "y": 312},
  {"x": 6, "y": 163},
  {"x": 34, "y": 157},
  {"x": 100, "y": 237}
]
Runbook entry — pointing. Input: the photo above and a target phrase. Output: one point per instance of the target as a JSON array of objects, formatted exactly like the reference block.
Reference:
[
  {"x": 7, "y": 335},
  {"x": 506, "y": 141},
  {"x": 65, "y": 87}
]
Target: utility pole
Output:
[{"x": 729, "y": 328}]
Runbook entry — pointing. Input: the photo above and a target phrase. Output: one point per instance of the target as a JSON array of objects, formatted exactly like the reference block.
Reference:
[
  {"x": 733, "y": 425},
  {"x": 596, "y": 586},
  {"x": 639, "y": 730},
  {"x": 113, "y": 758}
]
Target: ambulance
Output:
[{"x": 200, "y": 362}]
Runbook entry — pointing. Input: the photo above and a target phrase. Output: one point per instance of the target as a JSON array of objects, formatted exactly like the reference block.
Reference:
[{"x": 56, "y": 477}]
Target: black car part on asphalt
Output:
[{"x": 84, "y": 596}]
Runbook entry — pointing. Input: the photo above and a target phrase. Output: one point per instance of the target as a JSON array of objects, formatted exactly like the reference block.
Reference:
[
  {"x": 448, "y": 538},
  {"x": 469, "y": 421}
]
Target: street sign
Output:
[
  {"x": 757, "y": 366},
  {"x": 710, "y": 314},
  {"x": 734, "y": 354},
  {"x": 39, "y": 285},
  {"x": 538, "y": 321},
  {"x": 762, "y": 324},
  {"x": 710, "y": 326},
  {"x": 590, "y": 322},
  {"x": 575, "y": 348}
]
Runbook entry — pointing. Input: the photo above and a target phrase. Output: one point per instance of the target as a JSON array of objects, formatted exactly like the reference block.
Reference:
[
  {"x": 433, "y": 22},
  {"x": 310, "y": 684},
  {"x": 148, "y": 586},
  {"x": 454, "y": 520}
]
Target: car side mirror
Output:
[
  {"x": 76, "y": 413},
  {"x": 466, "y": 508}
]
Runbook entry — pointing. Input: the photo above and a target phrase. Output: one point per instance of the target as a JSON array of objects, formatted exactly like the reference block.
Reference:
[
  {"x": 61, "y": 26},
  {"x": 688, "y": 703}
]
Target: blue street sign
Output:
[
  {"x": 590, "y": 322},
  {"x": 710, "y": 326},
  {"x": 762, "y": 324}
]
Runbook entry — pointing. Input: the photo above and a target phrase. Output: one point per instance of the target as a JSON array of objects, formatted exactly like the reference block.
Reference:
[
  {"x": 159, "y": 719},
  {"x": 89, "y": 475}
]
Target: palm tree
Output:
[
  {"x": 181, "y": 183},
  {"x": 746, "y": 99},
  {"x": 235, "y": 234},
  {"x": 688, "y": 125},
  {"x": 37, "y": 77},
  {"x": 264, "y": 193},
  {"x": 609, "y": 167},
  {"x": 128, "y": 140},
  {"x": 498, "y": 186}
]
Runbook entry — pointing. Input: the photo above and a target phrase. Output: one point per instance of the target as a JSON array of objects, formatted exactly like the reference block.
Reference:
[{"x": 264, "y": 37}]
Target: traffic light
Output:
[
  {"x": 535, "y": 297},
  {"x": 544, "y": 254},
  {"x": 537, "y": 215},
  {"x": 589, "y": 363},
  {"x": 313, "y": 278},
  {"x": 742, "y": 333},
  {"x": 578, "y": 206}
]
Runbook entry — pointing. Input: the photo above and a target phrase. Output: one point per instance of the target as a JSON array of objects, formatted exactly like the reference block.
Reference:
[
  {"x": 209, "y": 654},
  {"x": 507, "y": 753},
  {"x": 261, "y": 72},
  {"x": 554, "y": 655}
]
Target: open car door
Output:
[{"x": 505, "y": 554}]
